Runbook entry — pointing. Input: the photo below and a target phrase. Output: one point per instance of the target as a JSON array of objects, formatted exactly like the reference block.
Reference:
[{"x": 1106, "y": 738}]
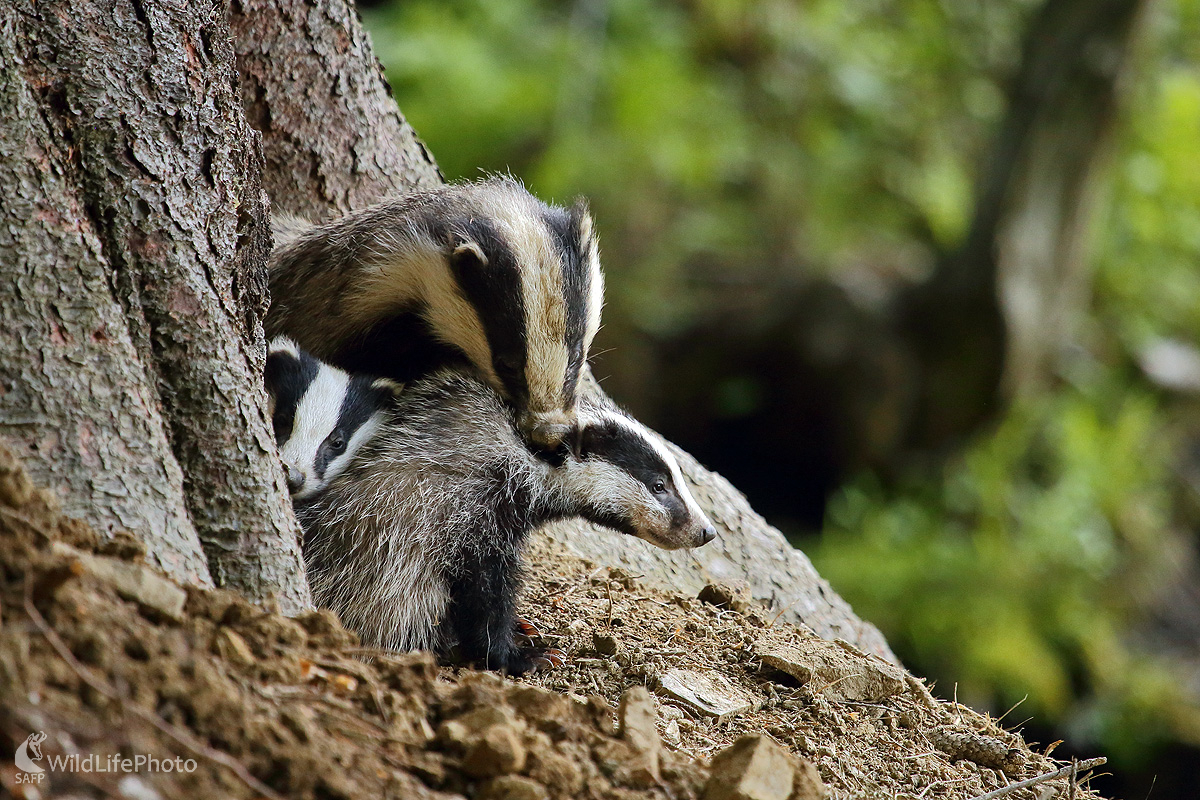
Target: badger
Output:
[
  {"x": 417, "y": 543},
  {"x": 482, "y": 273},
  {"x": 320, "y": 414}
]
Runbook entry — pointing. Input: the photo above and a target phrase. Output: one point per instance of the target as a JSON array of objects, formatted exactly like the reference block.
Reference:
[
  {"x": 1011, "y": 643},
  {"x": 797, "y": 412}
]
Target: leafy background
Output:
[{"x": 737, "y": 154}]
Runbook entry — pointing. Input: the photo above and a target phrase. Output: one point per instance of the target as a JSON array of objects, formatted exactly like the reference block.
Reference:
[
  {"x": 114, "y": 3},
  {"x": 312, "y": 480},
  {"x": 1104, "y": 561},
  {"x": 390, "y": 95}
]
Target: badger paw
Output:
[
  {"x": 526, "y": 629},
  {"x": 547, "y": 659}
]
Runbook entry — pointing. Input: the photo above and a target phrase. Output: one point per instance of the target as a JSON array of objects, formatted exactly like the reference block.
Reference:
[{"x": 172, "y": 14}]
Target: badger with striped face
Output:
[
  {"x": 417, "y": 543},
  {"x": 482, "y": 273},
  {"x": 320, "y": 414}
]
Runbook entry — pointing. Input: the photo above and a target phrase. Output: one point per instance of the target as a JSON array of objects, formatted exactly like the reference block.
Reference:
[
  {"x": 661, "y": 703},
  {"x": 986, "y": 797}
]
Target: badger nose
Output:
[
  {"x": 707, "y": 535},
  {"x": 295, "y": 478}
]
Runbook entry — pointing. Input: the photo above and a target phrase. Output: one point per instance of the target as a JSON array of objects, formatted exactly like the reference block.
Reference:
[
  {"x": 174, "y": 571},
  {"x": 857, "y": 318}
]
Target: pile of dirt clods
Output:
[{"x": 116, "y": 682}]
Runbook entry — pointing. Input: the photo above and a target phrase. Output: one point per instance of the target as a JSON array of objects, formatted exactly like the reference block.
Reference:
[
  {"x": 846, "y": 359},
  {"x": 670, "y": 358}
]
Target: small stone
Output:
[
  {"x": 232, "y": 647},
  {"x": 135, "y": 582},
  {"x": 806, "y": 782},
  {"x": 707, "y": 692},
  {"x": 734, "y": 596},
  {"x": 639, "y": 728},
  {"x": 131, "y": 787},
  {"x": 752, "y": 768},
  {"x": 671, "y": 733},
  {"x": 513, "y": 787},
  {"x": 498, "y": 751},
  {"x": 837, "y": 673},
  {"x": 605, "y": 644},
  {"x": 453, "y": 735}
]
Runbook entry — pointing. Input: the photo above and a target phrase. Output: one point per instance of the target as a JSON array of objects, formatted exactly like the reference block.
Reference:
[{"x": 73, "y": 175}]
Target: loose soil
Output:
[{"x": 108, "y": 658}]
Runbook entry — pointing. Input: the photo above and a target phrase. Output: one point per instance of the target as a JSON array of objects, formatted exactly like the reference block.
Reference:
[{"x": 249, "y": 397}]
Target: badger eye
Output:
[
  {"x": 659, "y": 487},
  {"x": 337, "y": 441}
]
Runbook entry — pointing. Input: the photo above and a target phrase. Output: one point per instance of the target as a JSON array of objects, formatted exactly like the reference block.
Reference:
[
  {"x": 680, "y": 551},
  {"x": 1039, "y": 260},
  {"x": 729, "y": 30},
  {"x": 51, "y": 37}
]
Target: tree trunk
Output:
[
  {"x": 334, "y": 140},
  {"x": 132, "y": 371},
  {"x": 990, "y": 323}
]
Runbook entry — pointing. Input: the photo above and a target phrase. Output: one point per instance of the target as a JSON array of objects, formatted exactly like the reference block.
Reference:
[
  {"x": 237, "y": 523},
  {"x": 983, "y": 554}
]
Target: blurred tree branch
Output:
[{"x": 988, "y": 325}]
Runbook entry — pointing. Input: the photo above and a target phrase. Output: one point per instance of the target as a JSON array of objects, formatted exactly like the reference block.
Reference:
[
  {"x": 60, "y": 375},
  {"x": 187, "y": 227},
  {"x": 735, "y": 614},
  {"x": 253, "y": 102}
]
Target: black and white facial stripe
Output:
[
  {"x": 633, "y": 482},
  {"x": 482, "y": 273},
  {"x": 320, "y": 414}
]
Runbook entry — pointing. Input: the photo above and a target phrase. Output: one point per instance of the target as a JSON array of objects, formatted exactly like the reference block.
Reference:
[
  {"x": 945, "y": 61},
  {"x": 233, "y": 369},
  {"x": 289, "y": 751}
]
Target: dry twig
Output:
[{"x": 1071, "y": 769}]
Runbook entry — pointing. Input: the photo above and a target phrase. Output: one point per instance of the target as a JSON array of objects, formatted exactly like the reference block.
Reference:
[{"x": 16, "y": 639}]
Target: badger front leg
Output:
[{"x": 483, "y": 598}]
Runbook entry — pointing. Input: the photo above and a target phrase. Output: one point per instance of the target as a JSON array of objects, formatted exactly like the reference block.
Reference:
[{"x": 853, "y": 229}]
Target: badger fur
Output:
[
  {"x": 321, "y": 415},
  {"x": 478, "y": 272},
  {"x": 417, "y": 543}
]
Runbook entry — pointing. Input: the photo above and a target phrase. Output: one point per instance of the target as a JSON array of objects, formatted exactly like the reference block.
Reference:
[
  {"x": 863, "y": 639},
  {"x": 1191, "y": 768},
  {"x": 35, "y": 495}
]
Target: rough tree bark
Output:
[
  {"x": 136, "y": 242},
  {"x": 334, "y": 140}
]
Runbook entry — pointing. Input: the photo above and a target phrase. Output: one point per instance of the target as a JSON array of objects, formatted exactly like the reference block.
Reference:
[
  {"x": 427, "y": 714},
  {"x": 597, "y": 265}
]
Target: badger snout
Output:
[
  {"x": 295, "y": 477},
  {"x": 548, "y": 430},
  {"x": 702, "y": 532}
]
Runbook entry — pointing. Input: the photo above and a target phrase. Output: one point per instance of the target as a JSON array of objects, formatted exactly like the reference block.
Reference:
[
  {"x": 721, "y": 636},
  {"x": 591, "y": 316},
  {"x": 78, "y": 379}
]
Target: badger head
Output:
[
  {"x": 625, "y": 478},
  {"x": 321, "y": 415},
  {"x": 530, "y": 275}
]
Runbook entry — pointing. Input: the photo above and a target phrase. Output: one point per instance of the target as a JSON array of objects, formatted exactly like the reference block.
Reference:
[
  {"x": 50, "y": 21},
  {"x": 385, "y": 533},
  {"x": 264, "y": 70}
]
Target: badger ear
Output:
[
  {"x": 581, "y": 220},
  {"x": 467, "y": 252},
  {"x": 590, "y": 439},
  {"x": 395, "y": 388}
]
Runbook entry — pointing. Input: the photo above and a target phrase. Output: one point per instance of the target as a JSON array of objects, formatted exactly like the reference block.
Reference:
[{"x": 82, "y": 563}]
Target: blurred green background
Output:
[{"x": 921, "y": 278}]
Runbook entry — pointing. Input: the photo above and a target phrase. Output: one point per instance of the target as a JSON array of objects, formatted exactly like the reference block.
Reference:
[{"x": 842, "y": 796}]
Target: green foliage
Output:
[
  {"x": 1011, "y": 574},
  {"x": 1030, "y": 564},
  {"x": 718, "y": 141}
]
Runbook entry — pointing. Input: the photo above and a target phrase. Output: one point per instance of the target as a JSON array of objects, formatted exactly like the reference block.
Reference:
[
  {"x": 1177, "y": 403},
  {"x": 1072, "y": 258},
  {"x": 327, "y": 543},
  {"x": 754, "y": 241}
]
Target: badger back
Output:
[
  {"x": 321, "y": 415},
  {"x": 477, "y": 272}
]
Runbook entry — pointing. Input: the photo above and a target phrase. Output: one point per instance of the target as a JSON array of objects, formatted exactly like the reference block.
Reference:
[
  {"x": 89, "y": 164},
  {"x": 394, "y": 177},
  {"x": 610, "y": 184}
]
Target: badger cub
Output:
[
  {"x": 321, "y": 415},
  {"x": 417, "y": 542},
  {"x": 482, "y": 273}
]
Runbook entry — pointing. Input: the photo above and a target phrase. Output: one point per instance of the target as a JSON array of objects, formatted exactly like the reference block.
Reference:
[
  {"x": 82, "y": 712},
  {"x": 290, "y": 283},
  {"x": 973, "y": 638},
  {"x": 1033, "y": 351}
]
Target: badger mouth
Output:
[{"x": 672, "y": 541}]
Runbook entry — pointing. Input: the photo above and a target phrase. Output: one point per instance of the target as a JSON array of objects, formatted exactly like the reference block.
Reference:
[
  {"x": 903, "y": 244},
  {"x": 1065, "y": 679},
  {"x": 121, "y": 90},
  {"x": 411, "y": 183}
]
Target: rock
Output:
[
  {"x": 638, "y": 726},
  {"x": 839, "y": 672},
  {"x": 232, "y": 647},
  {"x": 605, "y": 644},
  {"x": 752, "y": 768},
  {"x": 135, "y": 582},
  {"x": 732, "y": 595},
  {"x": 806, "y": 782},
  {"x": 498, "y": 751},
  {"x": 706, "y": 692},
  {"x": 513, "y": 787}
]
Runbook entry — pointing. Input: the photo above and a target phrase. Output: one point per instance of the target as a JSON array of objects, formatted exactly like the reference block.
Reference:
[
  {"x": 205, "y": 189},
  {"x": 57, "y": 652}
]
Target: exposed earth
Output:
[{"x": 662, "y": 695}]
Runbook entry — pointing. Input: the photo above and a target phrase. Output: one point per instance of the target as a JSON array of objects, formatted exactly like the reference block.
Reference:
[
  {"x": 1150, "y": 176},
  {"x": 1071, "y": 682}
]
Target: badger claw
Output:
[
  {"x": 542, "y": 660},
  {"x": 526, "y": 628}
]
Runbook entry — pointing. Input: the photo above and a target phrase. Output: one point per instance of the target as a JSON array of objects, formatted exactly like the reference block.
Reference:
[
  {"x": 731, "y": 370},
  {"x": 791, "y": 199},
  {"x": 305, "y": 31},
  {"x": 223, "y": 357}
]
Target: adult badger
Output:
[
  {"x": 417, "y": 542},
  {"x": 479, "y": 272}
]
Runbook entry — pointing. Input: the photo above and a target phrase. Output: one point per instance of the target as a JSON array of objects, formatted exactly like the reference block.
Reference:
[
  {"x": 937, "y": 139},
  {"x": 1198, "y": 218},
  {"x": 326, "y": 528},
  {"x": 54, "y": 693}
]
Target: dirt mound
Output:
[{"x": 117, "y": 666}]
